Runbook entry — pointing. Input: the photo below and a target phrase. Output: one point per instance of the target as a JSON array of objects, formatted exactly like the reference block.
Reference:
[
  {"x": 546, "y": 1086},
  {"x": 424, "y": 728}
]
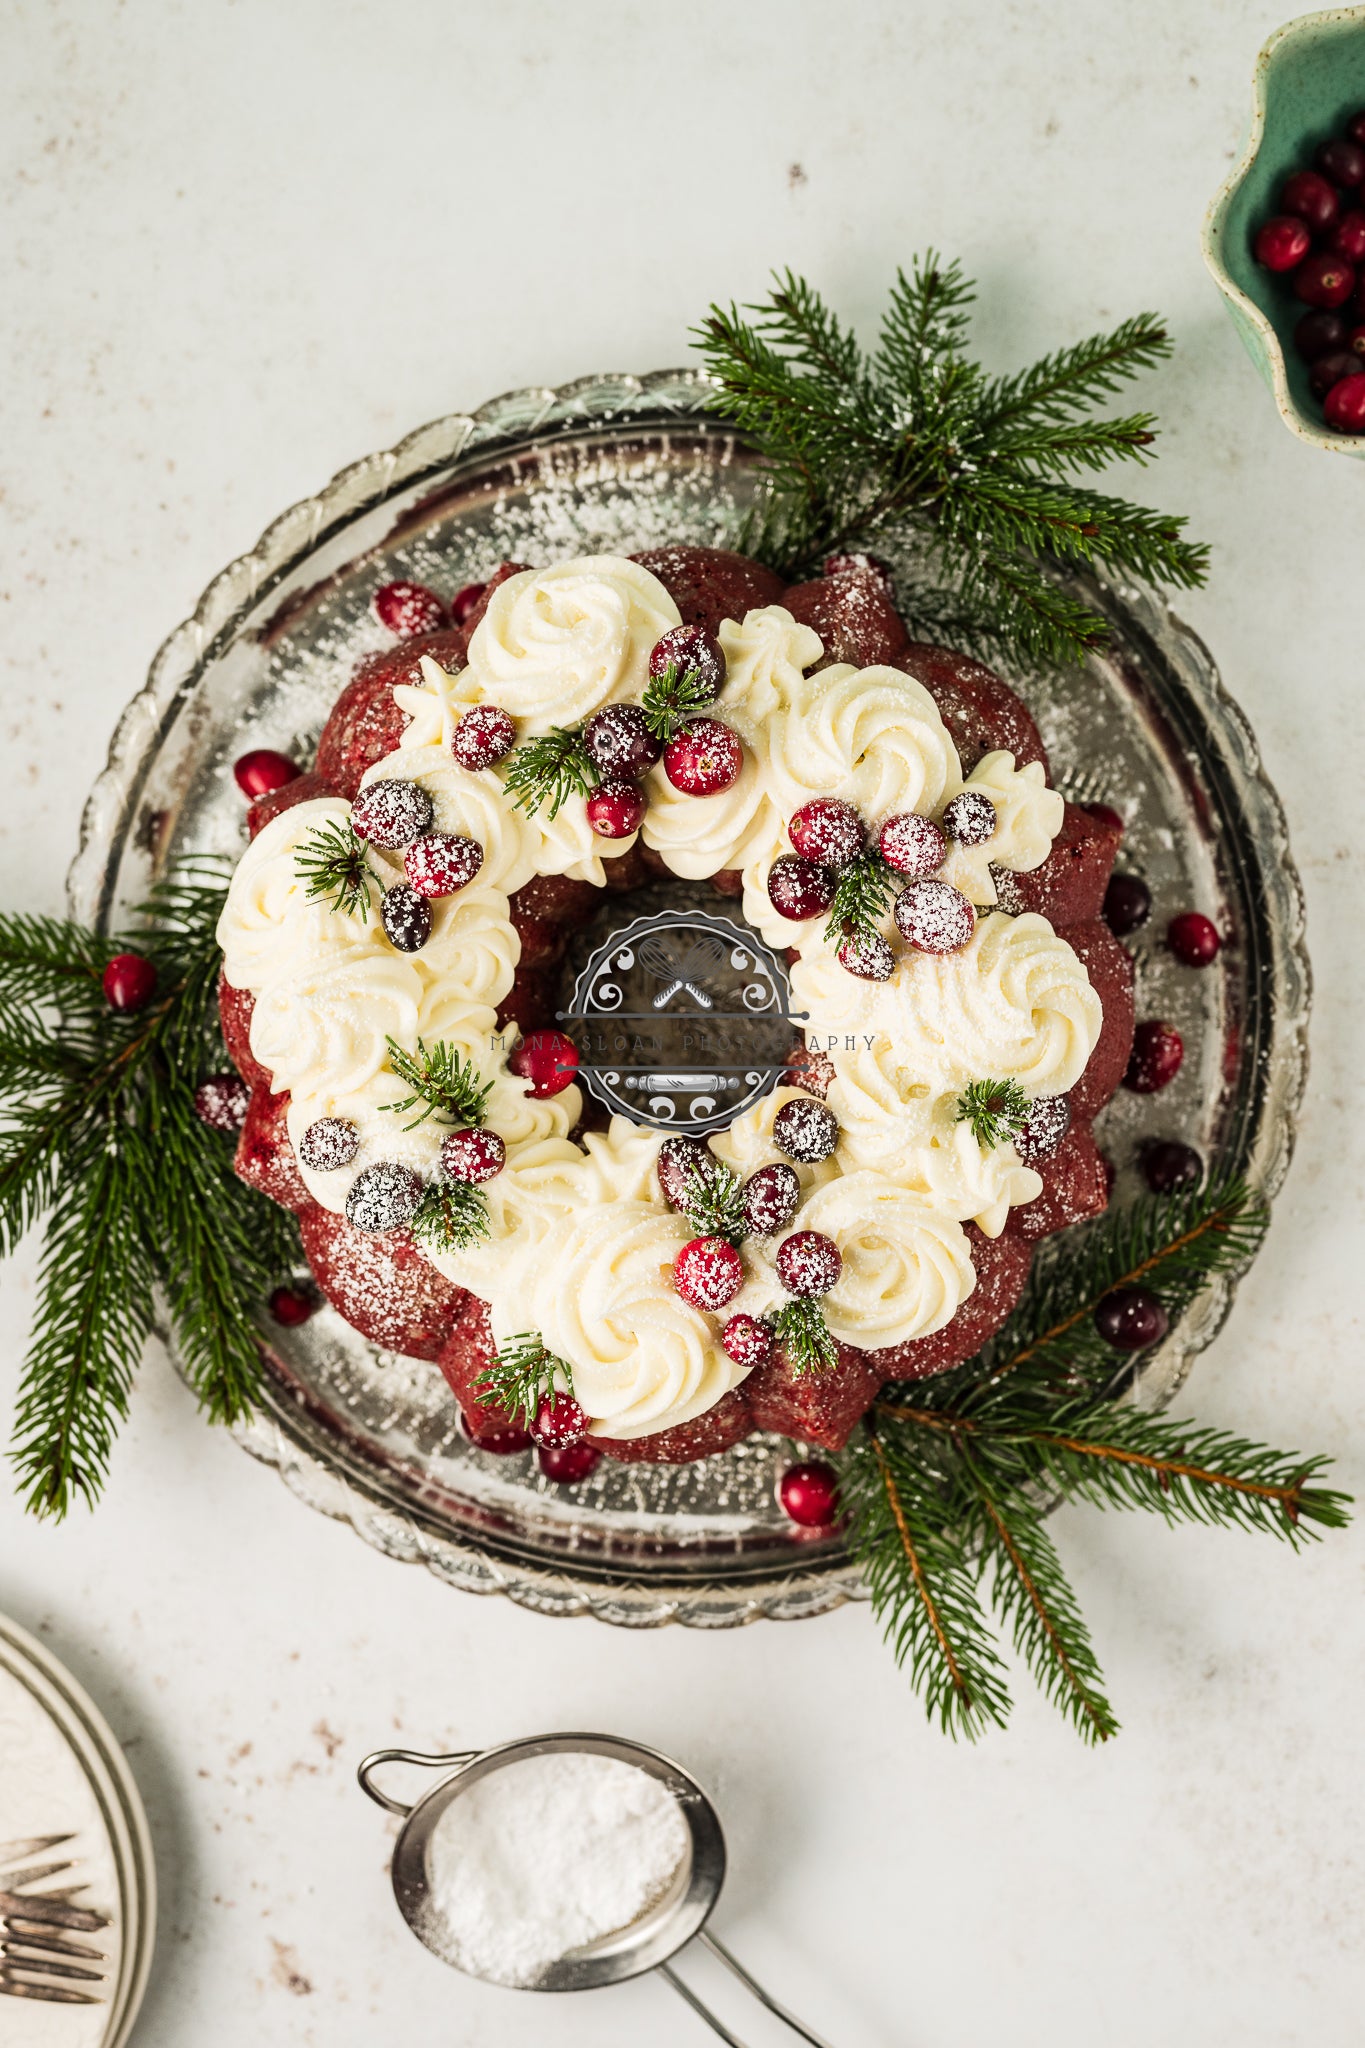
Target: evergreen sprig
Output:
[
  {"x": 550, "y": 770},
  {"x": 996, "y": 1110},
  {"x": 442, "y": 1080},
  {"x": 712, "y": 1199},
  {"x": 862, "y": 897},
  {"x": 522, "y": 1374},
  {"x": 972, "y": 478},
  {"x": 332, "y": 861},
  {"x": 800, "y": 1328},
  {"x": 674, "y": 699},
  {"x": 451, "y": 1216}
]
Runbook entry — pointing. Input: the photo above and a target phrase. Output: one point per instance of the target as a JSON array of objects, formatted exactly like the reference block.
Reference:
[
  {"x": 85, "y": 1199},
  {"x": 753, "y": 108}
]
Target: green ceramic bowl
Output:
[{"x": 1309, "y": 80}]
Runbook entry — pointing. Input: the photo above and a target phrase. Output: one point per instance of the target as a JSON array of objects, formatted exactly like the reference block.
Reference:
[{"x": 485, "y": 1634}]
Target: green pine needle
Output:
[
  {"x": 712, "y": 1199},
  {"x": 332, "y": 861},
  {"x": 442, "y": 1080},
  {"x": 674, "y": 699},
  {"x": 522, "y": 1375},
  {"x": 996, "y": 1110},
  {"x": 549, "y": 770},
  {"x": 451, "y": 1216},
  {"x": 862, "y": 896},
  {"x": 800, "y": 1328}
]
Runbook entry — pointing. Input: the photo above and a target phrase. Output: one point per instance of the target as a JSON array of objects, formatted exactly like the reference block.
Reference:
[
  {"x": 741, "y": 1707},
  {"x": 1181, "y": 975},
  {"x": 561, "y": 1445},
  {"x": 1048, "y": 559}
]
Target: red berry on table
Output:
[
  {"x": 1324, "y": 280},
  {"x": 1158, "y": 1050},
  {"x": 704, "y": 759},
  {"x": 1344, "y": 406},
  {"x": 809, "y": 1494},
  {"x": 912, "y": 845},
  {"x": 1330, "y": 369},
  {"x": 129, "y": 982},
  {"x": 391, "y": 812},
  {"x": 262, "y": 770},
  {"x": 1282, "y": 243},
  {"x": 1312, "y": 198},
  {"x": 406, "y": 918},
  {"x": 708, "y": 1272},
  {"x": 808, "y": 1263},
  {"x": 800, "y": 888},
  {"x": 970, "y": 818},
  {"x": 679, "y": 1161},
  {"x": 615, "y": 810},
  {"x": 484, "y": 735},
  {"x": 383, "y": 1197},
  {"x": 827, "y": 830},
  {"x": 409, "y": 608},
  {"x": 1343, "y": 161},
  {"x": 464, "y": 601},
  {"x": 805, "y": 1130},
  {"x": 441, "y": 863},
  {"x": 222, "y": 1102},
  {"x": 472, "y": 1155},
  {"x": 1131, "y": 1318},
  {"x": 1348, "y": 236},
  {"x": 747, "y": 1341},
  {"x": 619, "y": 742},
  {"x": 1049, "y": 1120},
  {"x": 867, "y": 955},
  {"x": 559, "y": 1421},
  {"x": 1105, "y": 814},
  {"x": 329, "y": 1144},
  {"x": 770, "y": 1199},
  {"x": 1168, "y": 1166},
  {"x": 689, "y": 650},
  {"x": 867, "y": 565},
  {"x": 1319, "y": 334},
  {"x": 568, "y": 1463},
  {"x": 290, "y": 1306},
  {"x": 1193, "y": 938},
  {"x": 934, "y": 917},
  {"x": 1127, "y": 904},
  {"x": 548, "y": 1060}
]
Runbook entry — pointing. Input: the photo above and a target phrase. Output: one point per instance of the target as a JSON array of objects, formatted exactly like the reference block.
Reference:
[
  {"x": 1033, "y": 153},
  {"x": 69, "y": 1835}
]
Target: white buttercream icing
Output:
[{"x": 556, "y": 644}]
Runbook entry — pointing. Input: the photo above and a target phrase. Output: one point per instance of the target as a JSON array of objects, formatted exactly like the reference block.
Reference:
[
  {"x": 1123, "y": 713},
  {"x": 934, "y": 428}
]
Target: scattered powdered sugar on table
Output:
[{"x": 546, "y": 1856}]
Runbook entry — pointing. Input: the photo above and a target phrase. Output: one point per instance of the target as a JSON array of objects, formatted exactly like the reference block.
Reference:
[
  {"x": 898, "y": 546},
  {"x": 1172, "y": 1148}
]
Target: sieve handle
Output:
[
  {"x": 367, "y": 1769},
  {"x": 751, "y": 1985}
]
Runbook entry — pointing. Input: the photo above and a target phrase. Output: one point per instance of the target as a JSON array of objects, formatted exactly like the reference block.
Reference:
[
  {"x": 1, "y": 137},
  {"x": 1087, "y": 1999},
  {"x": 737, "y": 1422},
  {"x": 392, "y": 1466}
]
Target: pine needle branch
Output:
[
  {"x": 862, "y": 897},
  {"x": 451, "y": 1216},
  {"x": 442, "y": 1080},
  {"x": 521, "y": 1375},
  {"x": 800, "y": 1328},
  {"x": 712, "y": 1199},
  {"x": 550, "y": 770},
  {"x": 332, "y": 861},
  {"x": 996, "y": 1110},
  {"x": 673, "y": 700}
]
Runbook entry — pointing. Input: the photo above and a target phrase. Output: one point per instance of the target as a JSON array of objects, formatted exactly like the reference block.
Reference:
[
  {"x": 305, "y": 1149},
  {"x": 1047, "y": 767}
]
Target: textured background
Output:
[{"x": 246, "y": 243}]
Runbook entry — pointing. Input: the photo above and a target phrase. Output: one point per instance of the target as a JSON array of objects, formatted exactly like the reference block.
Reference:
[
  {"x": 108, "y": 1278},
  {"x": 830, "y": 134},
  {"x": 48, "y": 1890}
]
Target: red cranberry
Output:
[
  {"x": 704, "y": 759},
  {"x": 689, "y": 651},
  {"x": 809, "y": 1494},
  {"x": 1344, "y": 406},
  {"x": 1049, "y": 1120},
  {"x": 1329, "y": 370},
  {"x": 472, "y": 1155},
  {"x": 1282, "y": 243},
  {"x": 441, "y": 863},
  {"x": 504, "y": 1443},
  {"x": 1193, "y": 938},
  {"x": 1168, "y": 1166},
  {"x": 1105, "y": 814},
  {"x": 484, "y": 735},
  {"x": 129, "y": 982},
  {"x": 970, "y": 818},
  {"x": 409, "y": 608},
  {"x": 615, "y": 810},
  {"x": 1355, "y": 127},
  {"x": 805, "y": 1130},
  {"x": 1324, "y": 280},
  {"x": 559, "y": 1421},
  {"x": 770, "y": 1199},
  {"x": 391, "y": 812},
  {"x": 290, "y": 1306},
  {"x": 747, "y": 1341},
  {"x": 548, "y": 1060},
  {"x": 619, "y": 742},
  {"x": 464, "y": 601},
  {"x": 865, "y": 565},
  {"x": 800, "y": 888},
  {"x": 1348, "y": 236},
  {"x": 808, "y": 1262},
  {"x": 934, "y": 917},
  {"x": 679, "y": 1161},
  {"x": 568, "y": 1463},
  {"x": 222, "y": 1102},
  {"x": 1312, "y": 198},
  {"x": 262, "y": 770},
  {"x": 1127, "y": 904},
  {"x": 383, "y": 1197},
  {"x": 329, "y": 1144},
  {"x": 1355, "y": 340},
  {"x": 1319, "y": 334},
  {"x": 912, "y": 845},
  {"x": 867, "y": 955},
  {"x": 708, "y": 1272},
  {"x": 827, "y": 830},
  {"x": 1131, "y": 1318},
  {"x": 1343, "y": 161},
  {"x": 1158, "y": 1050},
  {"x": 406, "y": 918}
]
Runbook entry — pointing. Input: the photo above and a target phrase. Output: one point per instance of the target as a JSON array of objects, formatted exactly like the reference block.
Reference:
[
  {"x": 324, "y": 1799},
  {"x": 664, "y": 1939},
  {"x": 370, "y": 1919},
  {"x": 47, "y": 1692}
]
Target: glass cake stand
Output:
[{"x": 612, "y": 465}]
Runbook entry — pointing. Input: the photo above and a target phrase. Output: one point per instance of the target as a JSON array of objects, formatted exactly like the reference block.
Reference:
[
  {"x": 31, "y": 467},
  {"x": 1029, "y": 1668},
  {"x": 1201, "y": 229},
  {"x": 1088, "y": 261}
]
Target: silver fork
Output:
[{"x": 38, "y": 1958}]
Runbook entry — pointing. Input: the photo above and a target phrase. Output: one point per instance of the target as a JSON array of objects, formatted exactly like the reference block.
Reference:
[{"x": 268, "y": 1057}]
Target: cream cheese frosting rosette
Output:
[
  {"x": 556, "y": 644},
  {"x": 1028, "y": 817}
]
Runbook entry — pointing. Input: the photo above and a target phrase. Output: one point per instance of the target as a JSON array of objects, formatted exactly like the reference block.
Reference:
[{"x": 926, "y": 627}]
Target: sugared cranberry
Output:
[
  {"x": 464, "y": 601},
  {"x": 1193, "y": 938},
  {"x": 1168, "y": 1166},
  {"x": 548, "y": 1060},
  {"x": 262, "y": 770},
  {"x": 862, "y": 564},
  {"x": 770, "y": 1199},
  {"x": 1343, "y": 161},
  {"x": 472, "y": 1155},
  {"x": 1158, "y": 1050},
  {"x": 391, "y": 812},
  {"x": 1319, "y": 334},
  {"x": 827, "y": 830},
  {"x": 566, "y": 1464},
  {"x": 867, "y": 955},
  {"x": 800, "y": 888},
  {"x": 808, "y": 1262},
  {"x": 1127, "y": 904},
  {"x": 615, "y": 810},
  {"x": 559, "y": 1421},
  {"x": 504, "y": 1443},
  {"x": 409, "y": 608},
  {"x": 708, "y": 1272},
  {"x": 806, "y": 1131},
  {"x": 406, "y": 918},
  {"x": 290, "y": 1306},
  {"x": 383, "y": 1197},
  {"x": 747, "y": 1341},
  {"x": 1105, "y": 814},
  {"x": 1311, "y": 198},
  {"x": 129, "y": 982},
  {"x": 680, "y": 1161},
  {"x": 1282, "y": 243},
  {"x": 1348, "y": 236},
  {"x": 619, "y": 742},
  {"x": 484, "y": 735},
  {"x": 1131, "y": 1318},
  {"x": 1324, "y": 280},
  {"x": 1344, "y": 406},
  {"x": 912, "y": 845},
  {"x": 970, "y": 818},
  {"x": 934, "y": 917},
  {"x": 329, "y": 1144},
  {"x": 1049, "y": 1120},
  {"x": 442, "y": 863},
  {"x": 222, "y": 1102},
  {"x": 809, "y": 1494},
  {"x": 704, "y": 759},
  {"x": 689, "y": 651}
]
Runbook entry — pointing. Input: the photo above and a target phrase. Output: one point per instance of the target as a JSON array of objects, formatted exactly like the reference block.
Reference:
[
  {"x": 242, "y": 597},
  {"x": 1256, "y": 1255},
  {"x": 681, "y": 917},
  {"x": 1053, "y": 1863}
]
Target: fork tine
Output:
[
  {"x": 34, "y": 1906},
  {"x": 42, "y": 1966},
  {"x": 35, "y": 1845},
  {"x": 15, "y": 1880},
  {"x": 51, "y": 1994},
  {"x": 37, "y": 1934}
]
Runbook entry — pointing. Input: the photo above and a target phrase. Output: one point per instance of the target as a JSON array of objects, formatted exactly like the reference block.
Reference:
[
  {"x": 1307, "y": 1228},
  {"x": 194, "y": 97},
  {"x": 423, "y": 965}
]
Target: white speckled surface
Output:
[{"x": 245, "y": 243}]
